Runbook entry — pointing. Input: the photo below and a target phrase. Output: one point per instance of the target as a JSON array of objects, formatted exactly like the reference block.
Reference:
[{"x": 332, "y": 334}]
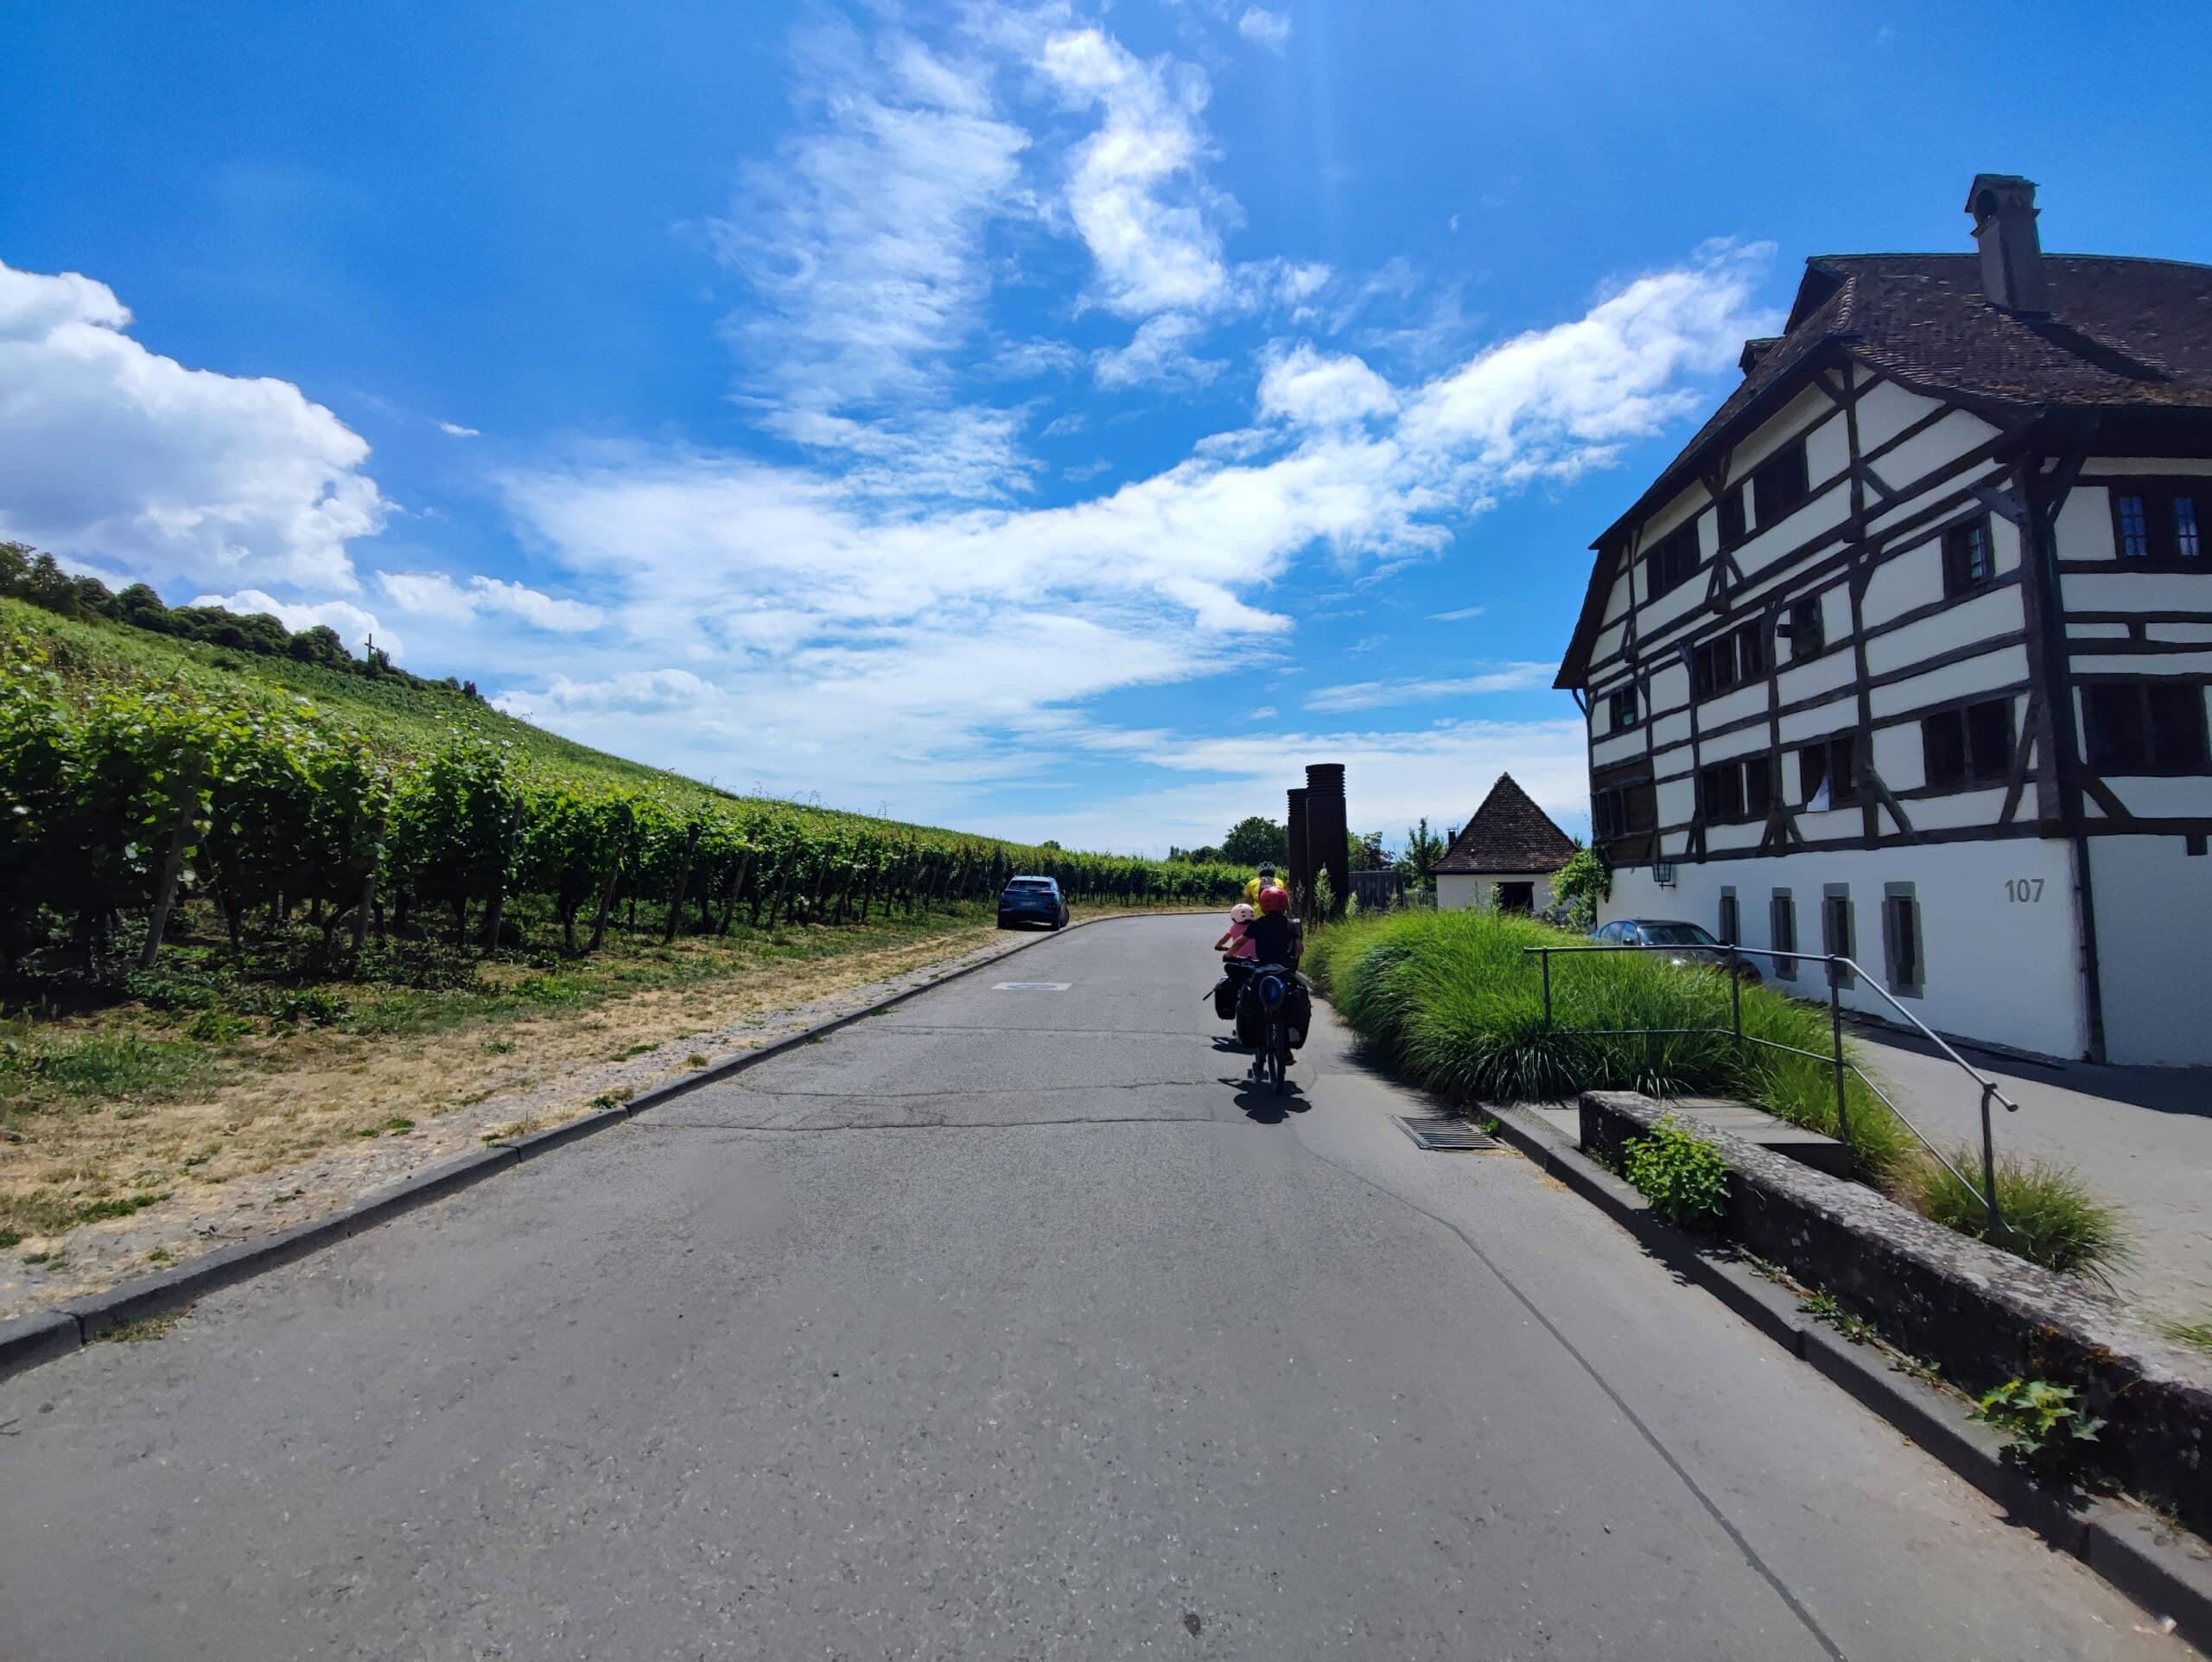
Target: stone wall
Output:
[{"x": 1981, "y": 1315}]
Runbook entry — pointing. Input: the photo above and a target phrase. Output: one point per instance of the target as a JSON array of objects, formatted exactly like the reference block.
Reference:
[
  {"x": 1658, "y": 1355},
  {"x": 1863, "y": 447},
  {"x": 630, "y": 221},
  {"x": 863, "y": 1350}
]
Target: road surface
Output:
[{"x": 1007, "y": 1324}]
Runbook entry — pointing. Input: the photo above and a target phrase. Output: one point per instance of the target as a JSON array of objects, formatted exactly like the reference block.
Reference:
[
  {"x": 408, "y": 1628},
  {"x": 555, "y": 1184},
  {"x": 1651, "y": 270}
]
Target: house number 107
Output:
[{"x": 2024, "y": 890}]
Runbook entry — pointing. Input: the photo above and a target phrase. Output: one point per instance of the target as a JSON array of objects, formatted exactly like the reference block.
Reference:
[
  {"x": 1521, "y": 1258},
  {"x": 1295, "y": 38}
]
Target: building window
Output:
[
  {"x": 1836, "y": 931},
  {"x": 1780, "y": 487},
  {"x": 1973, "y": 743},
  {"x": 1782, "y": 926},
  {"x": 1731, "y": 925},
  {"x": 1672, "y": 561},
  {"x": 1901, "y": 940},
  {"x": 1806, "y": 636},
  {"x": 1622, "y": 707},
  {"x": 1624, "y": 810},
  {"x": 1730, "y": 791},
  {"x": 2160, "y": 522},
  {"x": 1827, "y": 770},
  {"x": 1731, "y": 517},
  {"x": 1969, "y": 558},
  {"x": 2144, "y": 726},
  {"x": 1728, "y": 660}
]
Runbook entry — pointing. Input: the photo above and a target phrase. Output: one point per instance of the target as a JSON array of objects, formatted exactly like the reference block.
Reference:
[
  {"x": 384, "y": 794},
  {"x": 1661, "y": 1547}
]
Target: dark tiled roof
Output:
[
  {"x": 1509, "y": 832},
  {"x": 2121, "y": 333}
]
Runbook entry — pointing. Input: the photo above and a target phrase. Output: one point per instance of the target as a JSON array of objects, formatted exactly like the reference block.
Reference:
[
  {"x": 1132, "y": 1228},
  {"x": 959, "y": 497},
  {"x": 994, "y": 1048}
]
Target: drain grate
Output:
[{"x": 1441, "y": 1133}]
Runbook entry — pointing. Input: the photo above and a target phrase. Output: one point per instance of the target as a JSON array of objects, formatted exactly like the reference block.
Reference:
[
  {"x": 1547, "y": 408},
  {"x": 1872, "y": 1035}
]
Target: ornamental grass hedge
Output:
[{"x": 1455, "y": 1002}]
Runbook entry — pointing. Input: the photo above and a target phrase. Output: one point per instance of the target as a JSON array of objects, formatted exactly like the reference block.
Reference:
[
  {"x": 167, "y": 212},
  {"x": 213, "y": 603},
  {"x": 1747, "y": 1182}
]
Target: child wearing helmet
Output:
[
  {"x": 1273, "y": 938},
  {"x": 1233, "y": 941}
]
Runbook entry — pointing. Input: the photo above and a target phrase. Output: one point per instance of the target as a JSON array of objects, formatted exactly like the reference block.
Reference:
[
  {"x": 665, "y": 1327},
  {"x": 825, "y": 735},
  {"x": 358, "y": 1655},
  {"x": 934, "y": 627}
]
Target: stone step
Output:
[{"x": 1757, "y": 1125}]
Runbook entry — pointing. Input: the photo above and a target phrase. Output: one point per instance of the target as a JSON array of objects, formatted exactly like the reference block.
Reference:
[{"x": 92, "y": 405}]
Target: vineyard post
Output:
[
  {"x": 173, "y": 862},
  {"x": 499, "y": 885},
  {"x": 607, "y": 896},
  {"x": 683, "y": 880},
  {"x": 736, "y": 887},
  {"x": 369, "y": 887}
]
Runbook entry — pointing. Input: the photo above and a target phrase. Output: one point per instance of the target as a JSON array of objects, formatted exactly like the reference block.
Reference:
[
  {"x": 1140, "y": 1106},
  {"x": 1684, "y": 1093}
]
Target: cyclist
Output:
[
  {"x": 1267, "y": 879},
  {"x": 1273, "y": 936}
]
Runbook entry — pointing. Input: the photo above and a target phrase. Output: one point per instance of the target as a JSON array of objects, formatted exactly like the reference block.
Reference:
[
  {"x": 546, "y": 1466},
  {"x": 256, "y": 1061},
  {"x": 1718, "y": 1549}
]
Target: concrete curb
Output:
[
  {"x": 28, "y": 1341},
  {"x": 2158, "y": 1565}
]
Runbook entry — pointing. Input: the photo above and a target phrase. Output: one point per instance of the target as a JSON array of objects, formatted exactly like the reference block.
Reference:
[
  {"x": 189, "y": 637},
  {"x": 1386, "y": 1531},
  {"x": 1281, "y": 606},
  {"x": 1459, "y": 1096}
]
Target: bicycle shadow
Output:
[{"x": 1260, "y": 1103}]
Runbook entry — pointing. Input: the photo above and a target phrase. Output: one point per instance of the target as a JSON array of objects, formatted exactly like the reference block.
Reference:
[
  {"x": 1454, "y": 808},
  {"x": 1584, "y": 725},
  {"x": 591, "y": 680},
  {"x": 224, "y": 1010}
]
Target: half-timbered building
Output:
[{"x": 1906, "y": 655}]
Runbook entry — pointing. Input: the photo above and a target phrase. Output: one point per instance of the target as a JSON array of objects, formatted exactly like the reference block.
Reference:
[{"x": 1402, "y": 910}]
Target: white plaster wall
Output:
[
  {"x": 1828, "y": 449},
  {"x": 1616, "y": 747},
  {"x": 1965, "y": 808},
  {"x": 1465, "y": 891},
  {"x": 1997, "y": 968},
  {"x": 1748, "y": 741},
  {"x": 1670, "y": 730},
  {"x": 2187, "y": 796},
  {"x": 1831, "y": 672},
  {"x": 1985, "y": 616},
  {"x": 1887, "y": 411},
  {"x": 1824, "y": 512},
  {"x": 2154, "y": 912},
  {"x": 1948, "y": 440},
  {"x": 1801, "y": 725},
  {"x": 1732, "y": 706},
  {"x": 1784, "y": 425},
  {"x": 1677, "y": 800},
  {"x": 2136, "y": 591},
  {"x": 2148, "y": 466},
  {"x": 1897, "y": 586},
  {"x": 2084, "y": 527},
  {"x": 1900, "y": 759},
  {"x": 1960, "y": 680},
  {"x": 2191, "y": 633}
]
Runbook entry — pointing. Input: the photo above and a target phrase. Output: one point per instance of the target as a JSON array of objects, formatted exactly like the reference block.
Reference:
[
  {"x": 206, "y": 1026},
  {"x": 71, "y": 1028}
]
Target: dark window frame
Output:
[
  {"x": 1806, "y": 629},
  {"x": 1613, "y": 706},
  {"x": 1984, "y": 757},
  {"x": 2129, "y": 701},
  {"x": 2163, "y": 533},
  {"x": 1732, "y": 519},
  {"x": 1730, "y": 919},
  {"x": 1782, "y": 931},
  {"x": 1781, "y": 485},
  {"x": 1960, "y": 543},
  {"x": 1903, "y": 958},
  {"x": 1826, "y": 753},
  {"x": 1739, "y": 791},
  {"x": 1672, "y": 561},
  {"x": 1614, "y": 809},
  {"x": 1735, "y": 658},
  {"x": 1839, "y": 930}
]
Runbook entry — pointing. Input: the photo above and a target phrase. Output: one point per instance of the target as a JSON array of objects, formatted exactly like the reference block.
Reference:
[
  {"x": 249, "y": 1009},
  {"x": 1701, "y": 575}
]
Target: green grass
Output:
[
  {"x": 2197, "y": 1336},
  {"x": 1453, "y": 1000}
]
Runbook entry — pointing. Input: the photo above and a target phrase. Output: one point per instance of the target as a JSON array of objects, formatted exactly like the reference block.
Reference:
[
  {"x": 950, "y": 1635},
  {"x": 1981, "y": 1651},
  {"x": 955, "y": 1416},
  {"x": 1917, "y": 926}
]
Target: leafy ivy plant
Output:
[
  {"x": 2044, "y": 1431},
  {"x": 1682, "y": 1176}
]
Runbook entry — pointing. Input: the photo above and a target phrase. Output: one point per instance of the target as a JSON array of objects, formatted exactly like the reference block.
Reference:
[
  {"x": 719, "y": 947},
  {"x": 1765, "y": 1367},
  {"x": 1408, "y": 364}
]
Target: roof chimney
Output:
[{"x": 2004, "y": 209}]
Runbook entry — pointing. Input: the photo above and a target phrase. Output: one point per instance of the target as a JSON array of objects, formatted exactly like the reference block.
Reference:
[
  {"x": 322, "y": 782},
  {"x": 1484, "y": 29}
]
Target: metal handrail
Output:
[{"x": 1985, "y": 1191}]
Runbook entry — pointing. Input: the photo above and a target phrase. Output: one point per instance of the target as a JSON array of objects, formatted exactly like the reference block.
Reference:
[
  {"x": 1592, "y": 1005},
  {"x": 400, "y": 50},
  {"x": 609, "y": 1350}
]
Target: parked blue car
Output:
[{"x": 1032, "y": 900}]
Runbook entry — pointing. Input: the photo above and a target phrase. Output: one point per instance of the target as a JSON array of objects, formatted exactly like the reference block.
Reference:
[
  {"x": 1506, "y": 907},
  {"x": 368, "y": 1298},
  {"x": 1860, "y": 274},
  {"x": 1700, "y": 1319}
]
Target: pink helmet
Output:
[{"x": 1240, "y": 913}]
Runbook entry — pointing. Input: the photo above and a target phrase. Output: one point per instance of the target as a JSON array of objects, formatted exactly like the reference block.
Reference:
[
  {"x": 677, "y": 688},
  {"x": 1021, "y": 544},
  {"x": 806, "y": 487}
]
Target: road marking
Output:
[{"x": 1030, "y": 986}]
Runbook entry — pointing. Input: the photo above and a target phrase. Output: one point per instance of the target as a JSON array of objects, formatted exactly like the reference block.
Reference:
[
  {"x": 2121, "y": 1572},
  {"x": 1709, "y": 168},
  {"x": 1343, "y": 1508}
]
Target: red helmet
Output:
[{"x": 1274, "y": 899}]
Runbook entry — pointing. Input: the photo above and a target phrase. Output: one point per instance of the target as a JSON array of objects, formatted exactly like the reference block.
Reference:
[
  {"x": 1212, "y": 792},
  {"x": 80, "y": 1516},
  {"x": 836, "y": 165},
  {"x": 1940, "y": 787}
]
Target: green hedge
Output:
[{"x": 1454, "y": 1001}]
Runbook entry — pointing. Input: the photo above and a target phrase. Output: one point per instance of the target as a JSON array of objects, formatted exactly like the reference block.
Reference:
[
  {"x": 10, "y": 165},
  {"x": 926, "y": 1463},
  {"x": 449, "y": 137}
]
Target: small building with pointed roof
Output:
[{"x": 1507, "y": 854}]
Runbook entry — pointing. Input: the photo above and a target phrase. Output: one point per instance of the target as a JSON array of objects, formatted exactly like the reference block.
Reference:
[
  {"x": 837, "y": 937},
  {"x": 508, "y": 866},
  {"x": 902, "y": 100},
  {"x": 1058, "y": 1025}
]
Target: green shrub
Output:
[
  {"x": 1454, "y": 1001},
  {"x": 1683, "y": 1176},
  {"x": 2051, "y": 1214},
  {"x": 2043, "y": 1431}
]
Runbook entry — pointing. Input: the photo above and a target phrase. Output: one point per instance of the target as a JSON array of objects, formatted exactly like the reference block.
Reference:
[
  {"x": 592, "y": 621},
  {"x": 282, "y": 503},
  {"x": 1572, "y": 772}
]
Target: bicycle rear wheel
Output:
[{"x": 1278, "y": 1049}]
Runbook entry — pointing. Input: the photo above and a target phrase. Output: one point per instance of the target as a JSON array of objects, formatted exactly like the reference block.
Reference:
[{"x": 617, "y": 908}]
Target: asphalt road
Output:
[{"x": 1006, "y": 1325}]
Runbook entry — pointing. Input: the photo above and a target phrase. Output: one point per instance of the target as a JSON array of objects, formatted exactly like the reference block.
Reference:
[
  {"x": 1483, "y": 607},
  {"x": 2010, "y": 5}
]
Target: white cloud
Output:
[
  {"x": 1459, "y": 614},
  {"x": 433, "y": 594},
  {"x": 1270, "y": 28},
  {"x": 1135, "y": 190},
  {"x": 863, "y": 242},
  {"x": 1160, "y": 353},
  {"x": 1314, "y": 390},
  {"x": 111, "y": 452},
  {"x": 354, "y": 625},
  {"x": 455, "y": 430},
  {"x": 1561, "y": 399},
  {"x": 1374, "y": 694},
  {"x": 1083, "y": 471}
]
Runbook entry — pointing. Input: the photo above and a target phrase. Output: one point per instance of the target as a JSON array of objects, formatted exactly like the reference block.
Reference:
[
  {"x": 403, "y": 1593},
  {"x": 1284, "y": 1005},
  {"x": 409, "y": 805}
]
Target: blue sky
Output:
[{"x": 1057, "y": 420}]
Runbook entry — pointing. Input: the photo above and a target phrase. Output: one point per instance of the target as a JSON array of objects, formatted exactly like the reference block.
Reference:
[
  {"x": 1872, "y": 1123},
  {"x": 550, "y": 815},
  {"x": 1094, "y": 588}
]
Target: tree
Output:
[
  {"x": 1424, "y": 848},
  {"x": 1366, "y": 852},
  {"x": 1256, "y": 841},
  {"x": 1583, "y": 881}
]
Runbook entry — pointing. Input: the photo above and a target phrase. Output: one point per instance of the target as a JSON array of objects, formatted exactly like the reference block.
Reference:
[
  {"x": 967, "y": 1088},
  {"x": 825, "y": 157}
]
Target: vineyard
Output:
[{"x": 132, "y": 801}]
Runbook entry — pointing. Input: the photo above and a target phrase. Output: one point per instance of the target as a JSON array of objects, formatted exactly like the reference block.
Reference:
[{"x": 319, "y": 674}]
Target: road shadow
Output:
[{"x": 1260, "y": 1103}]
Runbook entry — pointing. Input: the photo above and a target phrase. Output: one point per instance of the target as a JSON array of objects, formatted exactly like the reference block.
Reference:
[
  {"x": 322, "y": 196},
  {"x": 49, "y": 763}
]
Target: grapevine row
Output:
[{"x": 119, "y": 806}]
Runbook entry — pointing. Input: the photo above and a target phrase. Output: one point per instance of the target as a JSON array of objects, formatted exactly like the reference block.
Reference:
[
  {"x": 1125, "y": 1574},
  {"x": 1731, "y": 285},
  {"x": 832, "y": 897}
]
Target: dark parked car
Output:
[
  {"x": 1032, "y": 900},
  {"x": 1697, "y": 947}
]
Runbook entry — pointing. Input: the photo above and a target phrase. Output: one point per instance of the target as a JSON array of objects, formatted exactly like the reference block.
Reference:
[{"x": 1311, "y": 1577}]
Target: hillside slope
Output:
[{"x": 403, "y": 721}]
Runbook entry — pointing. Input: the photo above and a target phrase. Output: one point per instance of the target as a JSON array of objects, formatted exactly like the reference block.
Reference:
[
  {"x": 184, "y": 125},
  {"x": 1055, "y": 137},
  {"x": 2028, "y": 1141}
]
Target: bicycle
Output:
[{"x": 1271, "y": 1061}]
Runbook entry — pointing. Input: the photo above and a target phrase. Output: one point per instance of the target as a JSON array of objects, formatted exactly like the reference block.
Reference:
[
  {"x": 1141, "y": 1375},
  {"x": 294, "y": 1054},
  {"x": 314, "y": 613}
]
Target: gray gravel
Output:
[{"x": 1008, "y": 1324}]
